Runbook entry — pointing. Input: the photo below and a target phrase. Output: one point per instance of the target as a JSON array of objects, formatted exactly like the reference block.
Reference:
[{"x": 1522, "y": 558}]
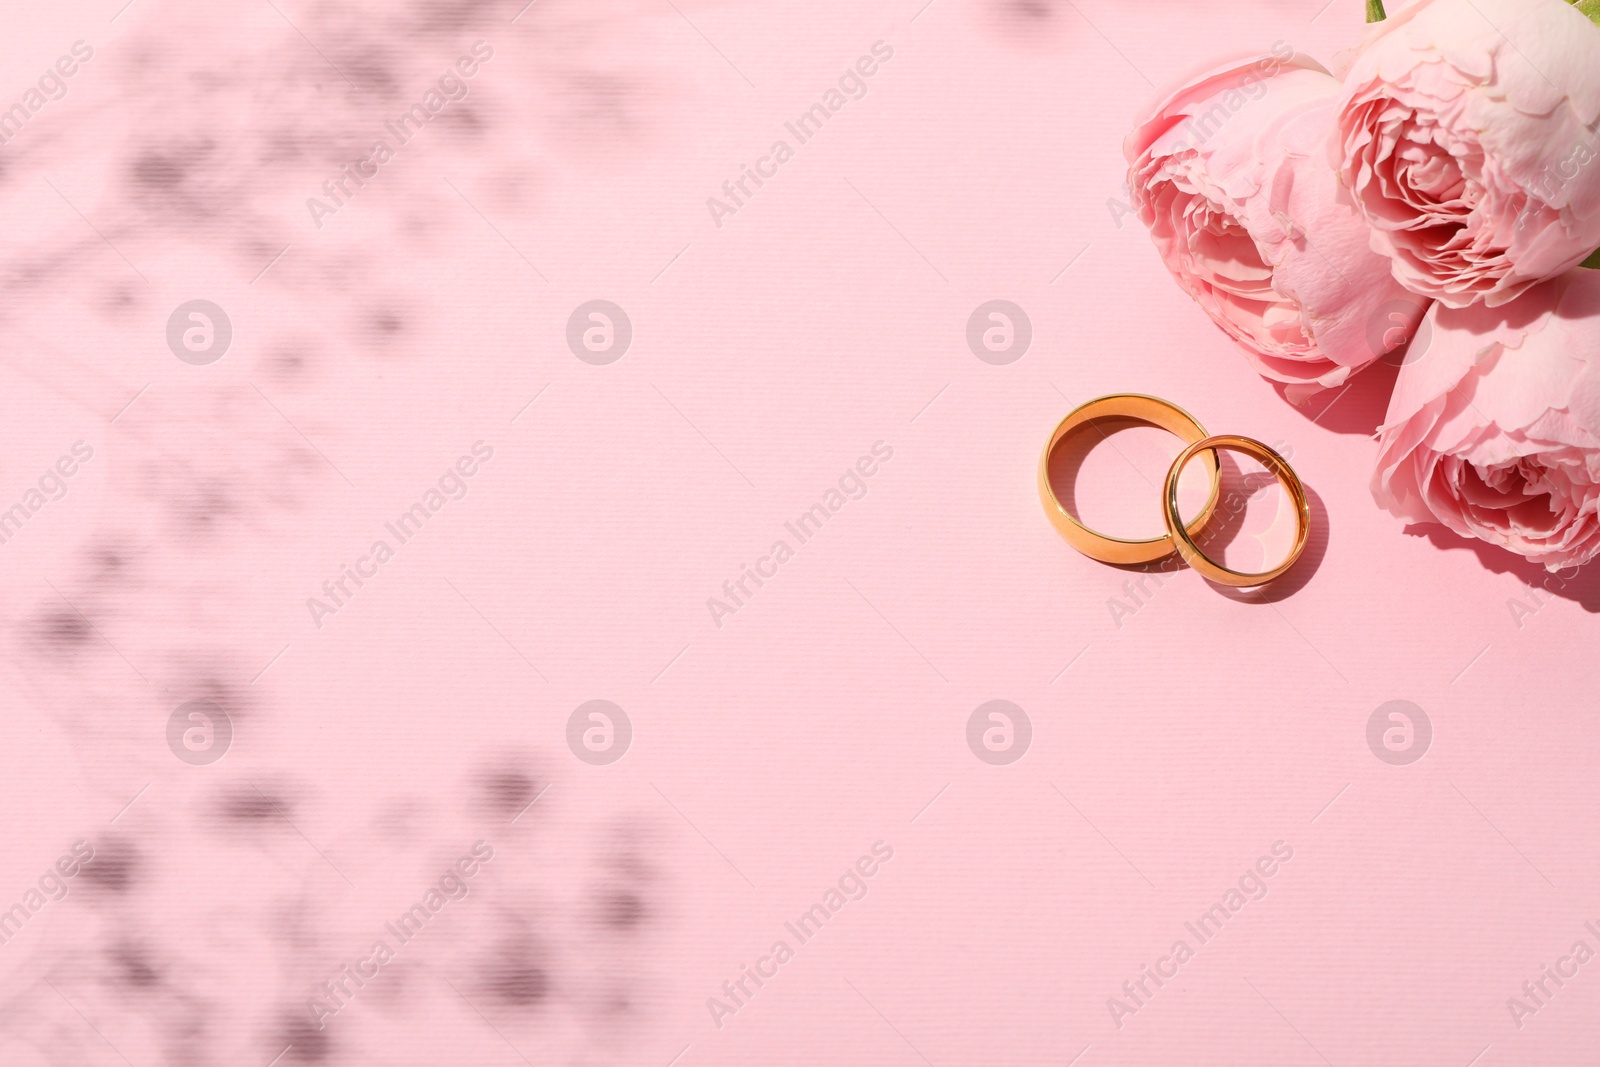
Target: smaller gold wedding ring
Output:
[
  {"x": 1141, "y": 408},
  {"x": 1198, "y": 560}
]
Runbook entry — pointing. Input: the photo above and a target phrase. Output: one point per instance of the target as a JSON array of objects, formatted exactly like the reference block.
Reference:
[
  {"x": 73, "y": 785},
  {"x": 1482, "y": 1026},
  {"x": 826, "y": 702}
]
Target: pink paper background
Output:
[{"x": 830, "y": 712}]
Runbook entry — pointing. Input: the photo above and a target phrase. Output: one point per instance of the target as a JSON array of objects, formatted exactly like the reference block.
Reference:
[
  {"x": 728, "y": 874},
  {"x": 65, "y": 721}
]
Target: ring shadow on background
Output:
[
  {"x": 1304, "y": 569},
  {"x": 1227, "y": 522}
]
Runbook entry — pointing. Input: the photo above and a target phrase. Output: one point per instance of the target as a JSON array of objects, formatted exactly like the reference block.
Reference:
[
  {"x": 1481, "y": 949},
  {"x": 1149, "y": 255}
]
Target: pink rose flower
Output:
[
  {"x": 1465, "y": 136},
  {"x": 1494, "y": 425},
  {"x": 1230, "y": 172}
]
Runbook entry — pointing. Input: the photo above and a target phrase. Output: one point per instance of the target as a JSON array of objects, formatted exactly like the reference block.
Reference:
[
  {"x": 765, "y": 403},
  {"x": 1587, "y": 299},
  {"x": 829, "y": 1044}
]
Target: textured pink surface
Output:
[{"x": 831, "y": 741}]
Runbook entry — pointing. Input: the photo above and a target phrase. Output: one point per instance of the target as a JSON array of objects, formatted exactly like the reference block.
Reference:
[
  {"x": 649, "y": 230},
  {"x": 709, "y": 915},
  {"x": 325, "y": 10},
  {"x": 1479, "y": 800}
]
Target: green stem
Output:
[{"x": 1375, "y": 11}]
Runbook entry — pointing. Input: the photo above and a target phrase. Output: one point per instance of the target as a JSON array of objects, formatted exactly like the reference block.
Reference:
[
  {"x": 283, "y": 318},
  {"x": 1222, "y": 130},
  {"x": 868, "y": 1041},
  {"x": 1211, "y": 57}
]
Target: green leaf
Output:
[
  {"x": 1375, "y": 12},
  {"x": 1593, "y": 262},
  {"x": 1590, "y": 8}
]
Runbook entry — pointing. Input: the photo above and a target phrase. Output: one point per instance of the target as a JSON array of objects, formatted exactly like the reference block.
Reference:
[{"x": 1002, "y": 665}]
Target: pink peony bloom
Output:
[
  {"x": 1230, "y": 172},
  {"x": 1465, "y": 135},
  {"x": 1494, "y": 425}
]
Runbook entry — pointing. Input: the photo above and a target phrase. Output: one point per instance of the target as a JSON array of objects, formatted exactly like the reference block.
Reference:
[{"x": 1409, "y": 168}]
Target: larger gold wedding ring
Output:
[
  {"x": 1191, "y": 553},
  {"x": 1142, "y": 408}
]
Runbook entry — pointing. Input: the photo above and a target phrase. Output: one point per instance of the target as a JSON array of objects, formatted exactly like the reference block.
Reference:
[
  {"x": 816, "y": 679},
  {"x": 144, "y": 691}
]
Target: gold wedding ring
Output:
[
  {"x": 1147, "y": 409},
  {"x": 1191, "y": 553}
]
